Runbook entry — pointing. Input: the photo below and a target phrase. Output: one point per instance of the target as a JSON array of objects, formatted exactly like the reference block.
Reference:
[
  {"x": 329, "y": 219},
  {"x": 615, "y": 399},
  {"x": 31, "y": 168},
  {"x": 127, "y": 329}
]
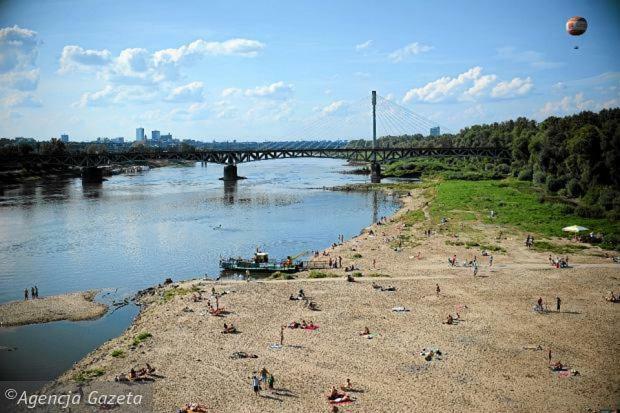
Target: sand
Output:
[
  {"x": 71, "y": 306},
  {"x": 489, "y": 362}
]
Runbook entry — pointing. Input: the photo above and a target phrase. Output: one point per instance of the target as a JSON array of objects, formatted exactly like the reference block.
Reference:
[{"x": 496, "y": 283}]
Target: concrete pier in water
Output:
[{"x": 92, "y": 175}]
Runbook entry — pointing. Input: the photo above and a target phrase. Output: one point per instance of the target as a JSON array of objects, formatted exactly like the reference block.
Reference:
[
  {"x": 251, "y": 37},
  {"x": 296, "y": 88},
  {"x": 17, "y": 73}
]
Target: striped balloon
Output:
[{"x": 576, "y": 26}]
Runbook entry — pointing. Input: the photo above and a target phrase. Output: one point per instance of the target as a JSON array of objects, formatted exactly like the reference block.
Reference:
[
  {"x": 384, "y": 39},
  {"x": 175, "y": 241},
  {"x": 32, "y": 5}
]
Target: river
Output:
[{"x": 133, "y": 231}]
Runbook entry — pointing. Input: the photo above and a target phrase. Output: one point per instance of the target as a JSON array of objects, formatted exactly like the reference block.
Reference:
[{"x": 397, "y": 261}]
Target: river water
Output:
[{"x": 134, "y": 231}]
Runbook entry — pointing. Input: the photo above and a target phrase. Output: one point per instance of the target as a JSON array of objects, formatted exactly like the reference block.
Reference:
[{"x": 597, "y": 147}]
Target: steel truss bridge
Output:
[{"x": 233, "y": 157}]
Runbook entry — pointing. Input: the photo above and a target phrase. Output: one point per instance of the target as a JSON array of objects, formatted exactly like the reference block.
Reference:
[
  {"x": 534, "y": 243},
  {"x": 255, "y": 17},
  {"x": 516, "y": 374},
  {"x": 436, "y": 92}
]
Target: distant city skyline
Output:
[{"x": 245, "y": 70}]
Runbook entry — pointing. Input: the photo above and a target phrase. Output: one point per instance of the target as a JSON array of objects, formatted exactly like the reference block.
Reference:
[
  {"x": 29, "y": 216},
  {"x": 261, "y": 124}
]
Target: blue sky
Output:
[{"x": 271, "y": 70}]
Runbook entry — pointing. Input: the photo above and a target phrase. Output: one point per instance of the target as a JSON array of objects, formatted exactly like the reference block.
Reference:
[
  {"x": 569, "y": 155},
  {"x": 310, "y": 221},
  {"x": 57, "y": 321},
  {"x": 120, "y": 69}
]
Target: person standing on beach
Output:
[
  {"x": 263, "y": 377},
  {"x": 26, "y": 294},
  {"x": 437, "y": 289},
  {"x": 549, "y": 356},
  {"x": 32, "y": 293},
  {"x": 281, "y": 335},
  {"x": 558, "y": 303},
  {"x": 339, "y": 261},
  {"x": 490, "y": 261},
  {"x": 36, "y": 292},
  {"x": 255, "y": 385},
  {"x": 270, "y": 381},
  {"x": 374, "y": 262}
]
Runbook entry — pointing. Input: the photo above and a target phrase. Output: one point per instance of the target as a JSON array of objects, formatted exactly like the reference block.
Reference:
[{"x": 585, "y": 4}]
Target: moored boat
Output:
[{"x": 260, "y": 264}]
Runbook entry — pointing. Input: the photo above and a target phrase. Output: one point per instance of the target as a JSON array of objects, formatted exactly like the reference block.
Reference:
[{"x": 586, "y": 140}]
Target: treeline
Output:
[{"x": 576, "y": 157}]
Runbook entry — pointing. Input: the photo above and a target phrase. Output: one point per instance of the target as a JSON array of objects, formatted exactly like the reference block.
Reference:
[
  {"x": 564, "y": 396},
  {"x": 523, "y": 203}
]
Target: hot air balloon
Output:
[{"x": 576, "y": 26}]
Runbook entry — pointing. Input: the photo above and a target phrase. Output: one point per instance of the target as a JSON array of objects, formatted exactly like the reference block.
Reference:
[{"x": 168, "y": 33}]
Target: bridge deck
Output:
[{"x": 240, "y": 156}]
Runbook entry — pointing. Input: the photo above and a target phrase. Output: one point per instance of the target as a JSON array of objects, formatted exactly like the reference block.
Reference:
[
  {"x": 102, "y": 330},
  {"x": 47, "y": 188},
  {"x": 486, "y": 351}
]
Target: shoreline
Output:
[
  {"x": 388, "y": 368},
  {"x": 76, "y": 306}
]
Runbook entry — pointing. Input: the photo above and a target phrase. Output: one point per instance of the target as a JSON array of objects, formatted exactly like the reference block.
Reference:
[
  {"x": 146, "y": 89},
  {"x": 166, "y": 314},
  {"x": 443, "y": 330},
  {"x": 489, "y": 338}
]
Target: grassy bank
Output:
[{"x": 516, "y": 203}]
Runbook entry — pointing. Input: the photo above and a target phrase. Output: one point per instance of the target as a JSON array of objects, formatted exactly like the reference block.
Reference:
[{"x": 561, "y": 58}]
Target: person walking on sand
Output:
[
  {"x": 374, "y": 262},
  {"x": 490, "y": 260},
  {"x": 558, "y": 303},
  {"x": 437, "y": 289},
  {"x": 255, "y": 385},
  {"x": 281, "y": 335},
  {"x": 549, "y": 356},
  {"x": 26, "y": 294}
]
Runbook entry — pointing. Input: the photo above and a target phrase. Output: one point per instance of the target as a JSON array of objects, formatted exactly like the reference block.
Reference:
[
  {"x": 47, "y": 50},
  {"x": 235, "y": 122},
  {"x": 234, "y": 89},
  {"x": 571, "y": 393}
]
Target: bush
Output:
[
  {"x": 554, "y": 184},
  {"x": 589, "y": 211},
  {"x": 118, "y": 353},
  {"x": 574, "y": 188},
  {"x": 87, "y": 375},
  {"x": 320, "y": 274},
  {"x": 526, "y": 175},
  {"x": 357, "y": 255},
  {"x": 141, "y": 337}
]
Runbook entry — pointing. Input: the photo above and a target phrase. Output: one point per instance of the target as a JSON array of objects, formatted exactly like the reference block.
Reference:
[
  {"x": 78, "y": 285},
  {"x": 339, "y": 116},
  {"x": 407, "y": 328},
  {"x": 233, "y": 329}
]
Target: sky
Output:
[{"x": 267, "y": 70}]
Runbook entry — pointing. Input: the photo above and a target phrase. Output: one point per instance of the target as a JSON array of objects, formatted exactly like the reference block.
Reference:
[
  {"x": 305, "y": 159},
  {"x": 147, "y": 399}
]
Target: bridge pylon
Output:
[{"x": 375, "y": 167}]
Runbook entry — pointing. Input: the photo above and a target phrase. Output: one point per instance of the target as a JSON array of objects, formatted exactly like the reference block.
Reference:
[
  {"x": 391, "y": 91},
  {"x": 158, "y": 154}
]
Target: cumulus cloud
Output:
[
  {"x": 443, "y": 87},
  {"x": 25, "y": 81},
  {"x": 18, "y": 48},
  {"x": 363, "y": 46},
  {"x": 409, "y": 50},
  {"x": 191, "y": 92},
  {"x": 336, "y": 107},
  {"x": 231, "y": 91},
  {"x": 278, "y": 90},
  {"x": 577, "y": 103},
  {"x": 516, "y": 87},
  {"x": 480, "y": 84},
  {"x": 75, "y": 57},
  {"x": 99, "y": 98}
]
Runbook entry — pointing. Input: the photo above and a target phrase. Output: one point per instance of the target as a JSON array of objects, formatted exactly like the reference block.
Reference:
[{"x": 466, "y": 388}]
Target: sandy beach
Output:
[
  {"x": 494, "y": 358},
  {"x": 71, "y": 306}
]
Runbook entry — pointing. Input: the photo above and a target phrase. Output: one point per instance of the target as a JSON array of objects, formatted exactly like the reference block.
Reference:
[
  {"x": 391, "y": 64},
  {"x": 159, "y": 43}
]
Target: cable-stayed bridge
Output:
[{"x": 325, "y": 131}]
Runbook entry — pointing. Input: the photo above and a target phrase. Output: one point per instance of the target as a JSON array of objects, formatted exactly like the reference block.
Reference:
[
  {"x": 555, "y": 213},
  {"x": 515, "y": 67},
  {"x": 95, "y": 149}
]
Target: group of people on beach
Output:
[
  {"x": 34, "y": 293},
  {"x": 266, "y": 378},
  {"x": 558, "y": 262}
]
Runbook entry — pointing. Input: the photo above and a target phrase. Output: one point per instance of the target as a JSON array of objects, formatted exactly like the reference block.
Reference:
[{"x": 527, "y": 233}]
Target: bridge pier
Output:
[
  {"x": 230, "y": 173},
  {"x": 375, "y": 172},
  {"x": 92, "y": 175}
]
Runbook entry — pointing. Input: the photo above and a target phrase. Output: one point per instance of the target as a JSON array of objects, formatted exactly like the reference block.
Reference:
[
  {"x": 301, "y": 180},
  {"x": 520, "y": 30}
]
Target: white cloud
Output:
[
  {"x": 19, "y": 99},
  {"x": 18, "y": 48},
  {"x": 231, "y": 91},
  {"x": 336, "y": 107},
  {"x": 25, "y": 81},
  {"x": 480, "y": 84},
  {"x": 200, "y": 47},
  {"x": 411, "y": 49},
  {"x": 278, "y": 90},
  {"x": 75, "y": 57},
  {"x": 443, "y": 87},
  {"x": 100, "y": 98},
  {"x": 534, "y": 59},
  {"x": 191, "y": 92},
  {"x": 516, "y": 87},
  {"x": 363, "y": 46},
  {"x": 576, "y": 103}
]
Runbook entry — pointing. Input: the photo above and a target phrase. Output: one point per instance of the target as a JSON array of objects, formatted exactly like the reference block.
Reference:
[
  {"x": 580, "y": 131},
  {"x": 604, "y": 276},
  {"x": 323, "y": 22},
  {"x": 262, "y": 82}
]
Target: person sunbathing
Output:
[
  {"x": 347, "y": 387},
  {"x": 293, "y": 324},
  {"x": 557, "y": 366},
  {"x": 333, "y": 395},
  {"x": 376, "y": 286},
  {"x": 229, "y": 329},
  {"x": 313, "y": 306},
  {"x": 132, "y": 374},
  {"x": 449, "y": 320},
  {"x": 366, "y": 332},
  {"x": 149, "y": 369},
  {"x": 390, "y": 288}
]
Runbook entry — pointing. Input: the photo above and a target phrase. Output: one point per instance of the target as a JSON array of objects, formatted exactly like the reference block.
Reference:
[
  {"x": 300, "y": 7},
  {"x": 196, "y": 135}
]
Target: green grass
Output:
[
  {"x": 358, "y": 274},
  {"x": 281, "y": 276},
  {"x": 546, "y": 246},
  {"x": 356, "y": 256},
  {"x": 118, "y": 353},
  {"x": 173, "y": 292},
  {"x": 411, "y": 218},
  {"x": 376, "y": 274},
  {"x": 87, "y": 375},
  {"x": 141, "y": 337},
  {"x": 516, "y": 203},
  {"x": 321, "y": 274}
]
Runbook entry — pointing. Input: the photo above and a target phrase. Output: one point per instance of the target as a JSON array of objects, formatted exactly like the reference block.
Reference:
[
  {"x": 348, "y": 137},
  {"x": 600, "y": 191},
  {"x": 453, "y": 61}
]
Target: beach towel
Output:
[
  {"x": 313, "y": 327},
  {"x": 400, "y": 309},
  {"x": 275, "y": 346},
  {"x": 369, "y": 336}
]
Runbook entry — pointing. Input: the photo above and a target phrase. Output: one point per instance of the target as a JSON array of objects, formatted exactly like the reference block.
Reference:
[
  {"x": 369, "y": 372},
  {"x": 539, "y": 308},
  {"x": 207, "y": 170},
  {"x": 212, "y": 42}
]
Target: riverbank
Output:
[
  {"x": 490, "y": 358},
  {"x": 72, "y": 306}
]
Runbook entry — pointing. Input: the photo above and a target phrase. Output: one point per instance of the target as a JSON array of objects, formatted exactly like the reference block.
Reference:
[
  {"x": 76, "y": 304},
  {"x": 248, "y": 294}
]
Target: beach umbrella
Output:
[{"x": 574, "y": 228}]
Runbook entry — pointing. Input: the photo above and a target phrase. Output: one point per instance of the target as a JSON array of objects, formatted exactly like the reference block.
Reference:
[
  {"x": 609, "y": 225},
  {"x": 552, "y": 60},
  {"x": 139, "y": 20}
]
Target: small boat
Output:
[{"x": 260, "y": 264}]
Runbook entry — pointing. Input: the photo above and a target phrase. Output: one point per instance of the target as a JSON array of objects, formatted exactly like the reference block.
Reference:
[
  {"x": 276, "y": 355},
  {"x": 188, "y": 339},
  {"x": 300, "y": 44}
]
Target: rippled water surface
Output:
[{"x": 134, "y": 231}]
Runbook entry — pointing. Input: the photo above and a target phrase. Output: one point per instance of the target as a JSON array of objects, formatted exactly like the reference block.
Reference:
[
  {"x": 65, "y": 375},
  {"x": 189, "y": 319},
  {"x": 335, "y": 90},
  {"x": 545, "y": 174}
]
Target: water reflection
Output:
[
  {"x": 230, "y": 192},
  {"x": 92, "y": 190}
]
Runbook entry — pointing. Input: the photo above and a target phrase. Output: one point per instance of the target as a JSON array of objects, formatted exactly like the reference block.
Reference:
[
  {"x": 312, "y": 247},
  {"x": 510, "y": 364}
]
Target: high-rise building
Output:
[
  {"x": 64, "y": 138},
  {"x": 140, "y": 134},
  {"x": 435, "y": 131},
  {"x": 155, "y": 135}
]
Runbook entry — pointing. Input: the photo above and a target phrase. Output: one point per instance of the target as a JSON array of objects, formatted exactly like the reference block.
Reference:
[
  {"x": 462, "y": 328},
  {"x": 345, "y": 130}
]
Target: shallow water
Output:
[{"x": 132, "y": 232}]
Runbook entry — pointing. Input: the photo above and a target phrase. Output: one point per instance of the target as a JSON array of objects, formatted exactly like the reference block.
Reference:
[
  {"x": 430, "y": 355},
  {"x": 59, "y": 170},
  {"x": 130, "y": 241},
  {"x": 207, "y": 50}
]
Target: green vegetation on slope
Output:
[{"x": 517, "y": 204}]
